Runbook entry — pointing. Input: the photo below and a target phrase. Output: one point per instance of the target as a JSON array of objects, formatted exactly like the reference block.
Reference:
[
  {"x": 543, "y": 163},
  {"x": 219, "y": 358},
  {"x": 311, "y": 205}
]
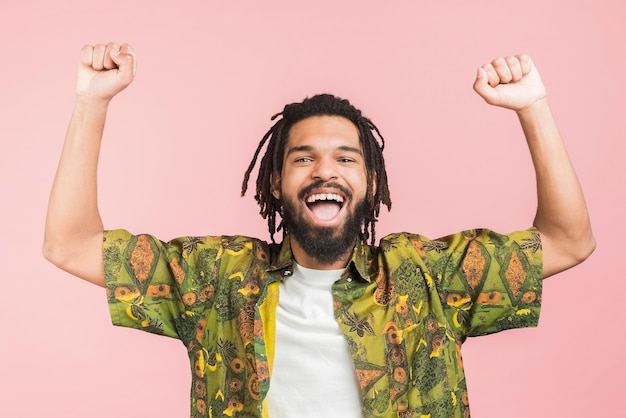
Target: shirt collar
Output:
[
  {"x": 282, "y": 261},
  {"x": 363, "y": 261}
]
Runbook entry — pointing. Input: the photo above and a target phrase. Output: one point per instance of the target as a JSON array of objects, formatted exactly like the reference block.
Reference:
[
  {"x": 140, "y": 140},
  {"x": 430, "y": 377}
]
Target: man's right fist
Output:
[{"x": 105, "y": 70}]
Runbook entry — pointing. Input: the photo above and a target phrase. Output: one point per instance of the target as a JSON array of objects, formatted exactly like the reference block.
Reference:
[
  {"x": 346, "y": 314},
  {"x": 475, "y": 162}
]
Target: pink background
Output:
[{"x": 178, "y": 140}]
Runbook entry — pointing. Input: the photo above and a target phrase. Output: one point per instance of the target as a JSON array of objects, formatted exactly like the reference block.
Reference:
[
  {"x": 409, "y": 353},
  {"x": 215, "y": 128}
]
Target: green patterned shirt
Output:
[{"x": 404, "y": 307}]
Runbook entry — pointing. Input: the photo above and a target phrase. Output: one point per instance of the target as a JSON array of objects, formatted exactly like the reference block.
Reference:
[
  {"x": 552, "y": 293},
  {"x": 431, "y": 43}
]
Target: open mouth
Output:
[{"x": 325, "y": 206}]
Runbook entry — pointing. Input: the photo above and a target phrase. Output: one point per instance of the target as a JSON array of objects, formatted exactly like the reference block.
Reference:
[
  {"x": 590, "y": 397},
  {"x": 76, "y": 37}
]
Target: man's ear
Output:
[
  {"x": 275, "y": 182},
  {"x": 374, "y": 183}
]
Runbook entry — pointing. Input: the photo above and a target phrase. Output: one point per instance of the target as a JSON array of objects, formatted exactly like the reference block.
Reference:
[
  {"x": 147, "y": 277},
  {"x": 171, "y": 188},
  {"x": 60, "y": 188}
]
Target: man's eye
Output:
[{"x": 303, "y": 160}]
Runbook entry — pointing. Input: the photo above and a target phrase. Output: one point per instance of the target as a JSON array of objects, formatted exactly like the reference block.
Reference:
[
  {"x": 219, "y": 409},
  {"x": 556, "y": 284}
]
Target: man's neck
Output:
[{"x": 306, "y": 260}]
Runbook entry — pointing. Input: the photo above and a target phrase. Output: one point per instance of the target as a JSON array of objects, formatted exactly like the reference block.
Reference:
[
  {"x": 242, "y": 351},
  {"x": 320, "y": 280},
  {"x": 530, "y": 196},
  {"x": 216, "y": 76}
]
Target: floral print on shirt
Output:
[{"x": 405, "y": 308}]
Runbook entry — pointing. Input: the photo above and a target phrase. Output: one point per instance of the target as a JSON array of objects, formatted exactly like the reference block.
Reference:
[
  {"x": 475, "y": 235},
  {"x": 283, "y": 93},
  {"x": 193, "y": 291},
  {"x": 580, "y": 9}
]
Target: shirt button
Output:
[{"x": 349, "y": 279}]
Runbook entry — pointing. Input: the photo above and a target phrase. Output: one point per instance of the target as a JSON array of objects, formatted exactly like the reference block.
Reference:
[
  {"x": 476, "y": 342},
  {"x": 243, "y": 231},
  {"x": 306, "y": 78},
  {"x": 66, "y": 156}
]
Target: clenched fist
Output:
[
  {"x": 512, "y": 82},
  {"x": 105, "y": 70}
]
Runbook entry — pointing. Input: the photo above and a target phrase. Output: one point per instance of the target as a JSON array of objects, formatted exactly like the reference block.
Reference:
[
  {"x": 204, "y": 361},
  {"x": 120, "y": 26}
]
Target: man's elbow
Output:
[
  {"x": 54, "y": 253},
  {"x": 564, "y": 251},
  {"x": 81, "y": 259},
  {"x": 578, "y": 249},
  {"x": 584, "y": 248}
]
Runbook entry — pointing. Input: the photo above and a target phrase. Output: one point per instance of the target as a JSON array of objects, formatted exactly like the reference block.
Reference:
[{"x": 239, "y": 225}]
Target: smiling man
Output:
[
  {"x": 325, "y": 322},
  {"x": 323, "y": 188}
]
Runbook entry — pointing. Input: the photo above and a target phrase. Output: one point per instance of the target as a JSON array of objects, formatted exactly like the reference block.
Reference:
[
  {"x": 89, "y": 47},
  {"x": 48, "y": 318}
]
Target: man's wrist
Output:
[
  {"x": 533, "y": 110},
  {"x": 88, "y": 101},
  {"x": 90, "y": 105}
]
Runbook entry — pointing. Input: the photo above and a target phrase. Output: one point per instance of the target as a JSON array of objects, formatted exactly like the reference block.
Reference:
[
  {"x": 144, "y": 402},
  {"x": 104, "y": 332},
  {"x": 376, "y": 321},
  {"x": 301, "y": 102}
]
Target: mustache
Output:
[{"x": 320, "y": 185}]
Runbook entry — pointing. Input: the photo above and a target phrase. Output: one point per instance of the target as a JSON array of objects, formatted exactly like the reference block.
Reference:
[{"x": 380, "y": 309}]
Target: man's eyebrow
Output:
[
  {"x": 351, "y": 149},
  {"x": 301, "y": 148},
  {"x": 306, "y": 148}
]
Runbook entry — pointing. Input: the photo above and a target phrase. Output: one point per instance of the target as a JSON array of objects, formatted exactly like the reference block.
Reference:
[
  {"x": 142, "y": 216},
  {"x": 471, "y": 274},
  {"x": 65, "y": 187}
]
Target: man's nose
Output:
[{"x": 325, "y": 169}]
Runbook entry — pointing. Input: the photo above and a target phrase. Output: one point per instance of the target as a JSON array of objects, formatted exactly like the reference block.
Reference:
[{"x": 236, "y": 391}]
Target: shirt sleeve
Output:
[
  {"x": 488, "y": 281},
  {"x": 147, "y": 283}
]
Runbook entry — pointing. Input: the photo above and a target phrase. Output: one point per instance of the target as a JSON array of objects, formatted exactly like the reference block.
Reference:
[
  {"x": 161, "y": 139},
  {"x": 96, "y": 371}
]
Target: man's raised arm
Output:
[
  {"x": 562, "y": 218},
  {"x": 74, "y": 230}
]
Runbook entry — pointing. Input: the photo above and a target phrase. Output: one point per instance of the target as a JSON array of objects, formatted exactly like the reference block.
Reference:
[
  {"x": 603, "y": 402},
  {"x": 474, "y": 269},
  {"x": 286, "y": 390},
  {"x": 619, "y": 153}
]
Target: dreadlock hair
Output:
[{"x": 272, "y": 161}]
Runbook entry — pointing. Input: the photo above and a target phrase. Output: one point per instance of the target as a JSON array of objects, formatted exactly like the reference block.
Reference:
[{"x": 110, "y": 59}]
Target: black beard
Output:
[{"x": 324, "y": 244}]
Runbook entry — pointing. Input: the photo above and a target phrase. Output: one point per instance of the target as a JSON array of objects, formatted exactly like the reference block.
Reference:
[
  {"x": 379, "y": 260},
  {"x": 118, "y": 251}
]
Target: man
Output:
[{"x": 322, "y": 324}]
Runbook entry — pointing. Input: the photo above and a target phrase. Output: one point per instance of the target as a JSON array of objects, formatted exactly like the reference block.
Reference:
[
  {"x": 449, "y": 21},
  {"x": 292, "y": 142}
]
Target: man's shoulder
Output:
[
  {"x": 524, "y": 239},
  {"x": 468, "y": 234},
  {"x": 123, "y": 237},
  {"x": 233, "y": 243},
  {"x": 423, "y": 244},
  {"x": 402, "y": 237}
]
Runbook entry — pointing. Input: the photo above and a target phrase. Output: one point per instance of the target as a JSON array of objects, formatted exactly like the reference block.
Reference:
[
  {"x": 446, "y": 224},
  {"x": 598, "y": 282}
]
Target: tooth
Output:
[{"x": 324, "y": 196}]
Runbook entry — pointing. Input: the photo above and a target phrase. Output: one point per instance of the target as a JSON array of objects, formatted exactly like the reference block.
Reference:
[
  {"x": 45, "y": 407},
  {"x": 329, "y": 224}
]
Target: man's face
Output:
[{"x": 323, "y": 185}]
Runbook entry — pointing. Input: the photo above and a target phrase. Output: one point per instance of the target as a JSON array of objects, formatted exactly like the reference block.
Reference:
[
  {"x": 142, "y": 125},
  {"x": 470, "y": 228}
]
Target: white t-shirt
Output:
[{"x": 313, "y": 374}]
